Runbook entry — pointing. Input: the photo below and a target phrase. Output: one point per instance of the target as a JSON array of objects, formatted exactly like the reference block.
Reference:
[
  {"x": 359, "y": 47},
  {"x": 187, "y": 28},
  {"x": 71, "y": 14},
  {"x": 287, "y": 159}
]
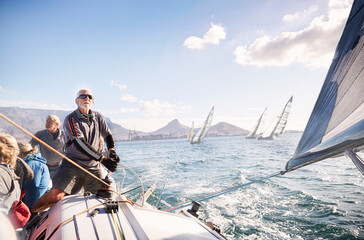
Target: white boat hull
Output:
[{"x": 69, "y": 220}]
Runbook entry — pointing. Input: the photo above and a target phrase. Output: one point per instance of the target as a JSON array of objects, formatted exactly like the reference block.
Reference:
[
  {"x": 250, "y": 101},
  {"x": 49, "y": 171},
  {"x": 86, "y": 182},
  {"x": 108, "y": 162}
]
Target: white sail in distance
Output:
[
  {"x": 284, "y": 117},
  {"x": 204, "y": 129},
  {"x": 269, "y": 132},
  {"x": 189, "y": 137},
  {"x": 279, "y": 123},
  {"x": 259, "y": 126}
]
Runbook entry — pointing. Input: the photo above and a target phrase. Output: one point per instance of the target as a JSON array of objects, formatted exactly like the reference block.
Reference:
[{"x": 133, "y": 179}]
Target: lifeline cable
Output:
[
  {"x": 179, "y": 205},
  {"x": 207, "y": 196},
  {"x": 140, "y": 181}
]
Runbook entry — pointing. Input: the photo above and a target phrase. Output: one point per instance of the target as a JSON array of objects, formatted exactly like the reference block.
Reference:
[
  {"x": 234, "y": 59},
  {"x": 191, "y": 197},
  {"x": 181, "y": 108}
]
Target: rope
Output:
[
  {"x": 116, "y": 226},
  {"x": 207, "y": 196},
  {"x": 130, "y": 190},
  {"x": 140, "y": 181},
  {"x": 71, "y": 161},
  {"x": 177, "y": 205},
  {"x": 77, "y": 214},
  {"x": 52, "y": 149}
]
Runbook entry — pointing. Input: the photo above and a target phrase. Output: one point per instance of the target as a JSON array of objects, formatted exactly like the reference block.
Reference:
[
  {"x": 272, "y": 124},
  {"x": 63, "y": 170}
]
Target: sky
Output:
[{"x": 149, "y": 62}]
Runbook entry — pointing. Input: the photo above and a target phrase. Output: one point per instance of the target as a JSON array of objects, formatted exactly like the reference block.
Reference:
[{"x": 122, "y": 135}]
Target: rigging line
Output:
[
  {"x": 124, "y": 177},
  {"x": 160, "y": 196},
  {"x": 76, "y": 227},
  {"x": 121, "y": 227},
  {"x": 68, "y": 219},
  {"x": 92, "y": 218},
  {"x": 83, "y": 211},
  {"x": 71, "y": 161},
  {"x": 117, "y": 230},
  {"x": 140, "y": 181},
  {"x": 130, "y": 190},
  {"x": 207, "y": 196},
  {"x": 52, "y": 149}
]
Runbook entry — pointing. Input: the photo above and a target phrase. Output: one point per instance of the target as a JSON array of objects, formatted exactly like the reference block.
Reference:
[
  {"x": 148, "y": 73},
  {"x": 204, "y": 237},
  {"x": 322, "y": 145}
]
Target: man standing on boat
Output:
[
  {"x": 55, "y": 138},
  {"x": 83, "y": 129}
]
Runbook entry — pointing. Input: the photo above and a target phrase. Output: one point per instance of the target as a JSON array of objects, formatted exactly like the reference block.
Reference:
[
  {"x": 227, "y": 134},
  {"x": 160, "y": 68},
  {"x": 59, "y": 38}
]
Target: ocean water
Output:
[{"x": 320, "y": 201}]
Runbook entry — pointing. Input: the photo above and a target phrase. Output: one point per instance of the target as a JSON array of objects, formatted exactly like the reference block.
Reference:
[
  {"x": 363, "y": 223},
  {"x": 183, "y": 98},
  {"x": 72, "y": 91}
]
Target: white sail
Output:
[
  {"x": 279, "y": 123},
  {"x": 258, "y": 127},
  {"x": 336, "y": 123},
  {"x": 269, "y": 132},
  {"x": 204, "y": 129},
  {"x": 284, "y": 117},
  {"x": 189, "y": 137}
]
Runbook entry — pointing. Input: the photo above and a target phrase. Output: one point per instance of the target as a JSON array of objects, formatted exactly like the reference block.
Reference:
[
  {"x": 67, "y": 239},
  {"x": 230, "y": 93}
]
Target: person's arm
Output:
[
  {"x": 34, "y": 142},
  {"x": 109, "y": 140},
  {"x": 110, "y": 144}
]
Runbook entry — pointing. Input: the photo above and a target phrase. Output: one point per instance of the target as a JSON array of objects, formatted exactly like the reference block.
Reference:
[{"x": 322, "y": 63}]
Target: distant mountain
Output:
[
  {"x": 118, "y": 132},
  {"x": 226, "y": 129},
  {"x": 173, "y": 128},
  {"x": 34, "y": 120}
]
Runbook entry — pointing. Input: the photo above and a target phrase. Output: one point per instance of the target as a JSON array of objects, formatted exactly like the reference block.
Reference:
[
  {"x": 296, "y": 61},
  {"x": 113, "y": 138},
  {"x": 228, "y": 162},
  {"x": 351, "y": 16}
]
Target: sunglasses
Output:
[{"x": 84, "y": 96}]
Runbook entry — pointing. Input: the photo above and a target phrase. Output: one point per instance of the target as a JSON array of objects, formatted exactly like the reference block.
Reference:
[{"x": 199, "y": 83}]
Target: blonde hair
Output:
[
  {"x": 9, "y": 149},
  {"x": 51, "y": 119},
  {"x": 25, "y": 148}
]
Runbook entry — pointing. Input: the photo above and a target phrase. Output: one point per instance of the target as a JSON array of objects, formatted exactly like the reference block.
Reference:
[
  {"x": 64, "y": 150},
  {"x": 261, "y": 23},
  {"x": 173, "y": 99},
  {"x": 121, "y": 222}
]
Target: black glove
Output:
[
  {"x": 114, "y": 156},
  {"x": 110, "y": 164}
]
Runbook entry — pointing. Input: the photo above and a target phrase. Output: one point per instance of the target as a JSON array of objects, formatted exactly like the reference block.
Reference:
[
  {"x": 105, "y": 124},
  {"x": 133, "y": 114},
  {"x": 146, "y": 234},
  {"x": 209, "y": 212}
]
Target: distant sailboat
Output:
[
  {"x": 258, "y": 127},
  {"x": 279, "y": 124},
  {"x": 204, "y": 129},
  {"x": 190, "y": 135}
]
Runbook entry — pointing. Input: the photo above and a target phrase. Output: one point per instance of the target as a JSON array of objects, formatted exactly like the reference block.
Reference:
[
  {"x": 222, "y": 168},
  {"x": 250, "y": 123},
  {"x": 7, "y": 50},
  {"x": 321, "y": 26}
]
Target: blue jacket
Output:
[{"x": 37, "y": 187}]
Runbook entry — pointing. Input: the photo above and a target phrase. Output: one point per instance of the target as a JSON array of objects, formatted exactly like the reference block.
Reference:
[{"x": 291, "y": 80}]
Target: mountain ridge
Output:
[{"x": 33, "y": 120}]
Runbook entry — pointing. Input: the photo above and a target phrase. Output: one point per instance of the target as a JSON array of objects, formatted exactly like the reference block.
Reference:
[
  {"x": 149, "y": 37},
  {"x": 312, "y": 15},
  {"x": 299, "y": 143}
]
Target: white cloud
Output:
[
  {"x": 1, "y": 89},
  {"x": 117, "y": 84},
  {"x": 300, "y": 14},
  {"x": 213, "y": 36},
  {"x": 312, "y": 46},
  {"x": 28, "y": 104},
  {"x": 129, "y": 110},
  {"x": 129, "y": 98},
  {"x": 156, "y": 108}
]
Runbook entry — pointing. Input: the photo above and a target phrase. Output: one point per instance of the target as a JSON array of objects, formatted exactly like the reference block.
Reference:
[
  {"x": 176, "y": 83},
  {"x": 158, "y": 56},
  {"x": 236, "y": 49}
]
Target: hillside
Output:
[
  {"x": 33, "y": 120},
  {"x": 226, "y": 129},
  {"x": 173, "y": 128}
]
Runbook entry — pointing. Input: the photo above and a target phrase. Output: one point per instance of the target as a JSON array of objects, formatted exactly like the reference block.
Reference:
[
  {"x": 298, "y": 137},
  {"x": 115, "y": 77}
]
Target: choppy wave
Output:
[{"x": 320, "y": 201}]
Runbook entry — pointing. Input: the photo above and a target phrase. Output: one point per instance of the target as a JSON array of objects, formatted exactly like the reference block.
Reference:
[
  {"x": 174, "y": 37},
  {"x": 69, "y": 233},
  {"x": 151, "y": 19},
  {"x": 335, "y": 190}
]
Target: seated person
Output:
[
  {"x": 9, "y": 186},
  {"x": 36, "y": 187}
]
